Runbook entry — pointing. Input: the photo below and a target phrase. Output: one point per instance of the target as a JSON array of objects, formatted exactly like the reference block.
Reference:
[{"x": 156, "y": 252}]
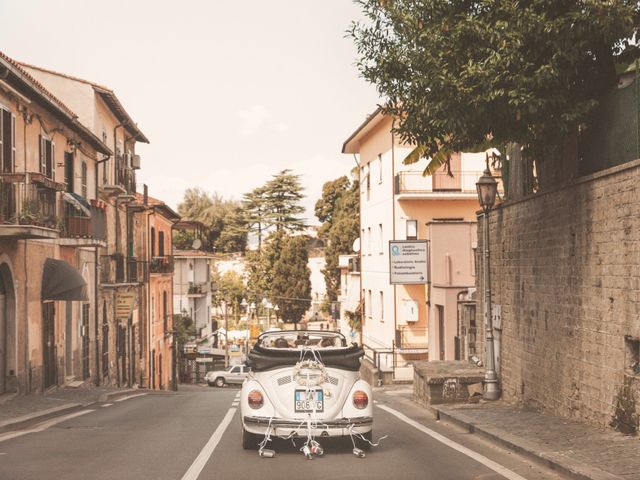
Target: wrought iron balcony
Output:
[
  {"x": 82, "y": 220},
  {"x": 117, "y": 268},
  {"x": 162, "y": 264},
  {"x": 30, "y": 206}
]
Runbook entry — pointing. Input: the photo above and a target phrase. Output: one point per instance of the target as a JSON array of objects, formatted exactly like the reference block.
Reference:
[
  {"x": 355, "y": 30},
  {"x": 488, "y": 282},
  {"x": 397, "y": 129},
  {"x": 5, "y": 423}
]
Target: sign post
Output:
[{"x": 408, "y": 262}]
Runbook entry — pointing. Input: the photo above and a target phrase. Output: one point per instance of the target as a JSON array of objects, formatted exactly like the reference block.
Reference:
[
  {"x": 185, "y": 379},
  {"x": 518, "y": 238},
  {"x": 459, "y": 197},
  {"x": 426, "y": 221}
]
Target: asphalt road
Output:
[{"x": 195, "y": 434}]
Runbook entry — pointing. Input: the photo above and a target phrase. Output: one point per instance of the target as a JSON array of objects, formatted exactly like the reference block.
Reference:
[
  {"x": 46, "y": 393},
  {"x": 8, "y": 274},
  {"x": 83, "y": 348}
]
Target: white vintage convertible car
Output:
[{"x": 305, "y": 384}]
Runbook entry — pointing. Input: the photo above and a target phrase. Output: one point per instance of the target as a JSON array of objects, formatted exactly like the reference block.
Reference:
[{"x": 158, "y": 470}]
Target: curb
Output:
[
  {"x": 17, "y": 423},
  {"x": 533, "y": 451},
  {"x": 24, "y": 420}
]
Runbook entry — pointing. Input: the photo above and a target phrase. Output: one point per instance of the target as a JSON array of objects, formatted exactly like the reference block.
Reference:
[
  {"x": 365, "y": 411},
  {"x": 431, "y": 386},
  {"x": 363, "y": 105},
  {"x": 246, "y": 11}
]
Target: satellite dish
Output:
[
  {"x": 197, "y": 243},
  {"x": 356, "y": 245}
]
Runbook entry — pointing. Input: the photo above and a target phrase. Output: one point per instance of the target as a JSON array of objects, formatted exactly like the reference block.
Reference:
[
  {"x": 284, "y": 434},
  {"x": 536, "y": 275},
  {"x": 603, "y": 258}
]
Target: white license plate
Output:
[{"x": 309, "y": 401}]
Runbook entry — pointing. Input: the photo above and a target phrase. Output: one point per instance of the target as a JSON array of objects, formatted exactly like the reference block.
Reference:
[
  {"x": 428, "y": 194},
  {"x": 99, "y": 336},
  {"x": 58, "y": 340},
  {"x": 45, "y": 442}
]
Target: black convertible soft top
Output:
[{"x": 262, "y": 358}]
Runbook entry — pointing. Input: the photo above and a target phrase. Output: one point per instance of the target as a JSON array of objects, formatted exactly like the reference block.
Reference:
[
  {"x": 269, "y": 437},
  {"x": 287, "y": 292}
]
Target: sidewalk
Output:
[
  {"x": 16, "y": 410},
  {"x": 568, "y": 446}
]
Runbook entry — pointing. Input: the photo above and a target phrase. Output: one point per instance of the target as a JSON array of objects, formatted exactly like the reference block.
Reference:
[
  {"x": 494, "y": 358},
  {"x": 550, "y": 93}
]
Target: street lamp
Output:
[{"x": 487, "y": 189}]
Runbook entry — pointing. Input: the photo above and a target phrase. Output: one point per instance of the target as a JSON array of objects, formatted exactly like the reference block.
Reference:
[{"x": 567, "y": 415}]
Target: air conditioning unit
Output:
[{"x": 135, "y": 162}]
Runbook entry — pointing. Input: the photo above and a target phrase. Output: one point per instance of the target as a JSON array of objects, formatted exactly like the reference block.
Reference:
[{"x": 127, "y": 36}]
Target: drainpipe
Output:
[
  {"x": 148, "y": 287},
  {"x": 96, "y": 266},
  {"x": 27, "y": 121}
]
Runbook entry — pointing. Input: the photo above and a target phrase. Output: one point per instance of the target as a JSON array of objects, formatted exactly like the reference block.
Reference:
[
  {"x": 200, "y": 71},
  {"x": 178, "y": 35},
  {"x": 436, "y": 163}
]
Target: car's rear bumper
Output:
[{"x": 331, "y": 428}]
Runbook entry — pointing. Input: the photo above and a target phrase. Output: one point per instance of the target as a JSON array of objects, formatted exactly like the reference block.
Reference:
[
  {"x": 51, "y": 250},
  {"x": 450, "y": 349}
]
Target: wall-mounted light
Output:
[{"x": 412, "y": 229}]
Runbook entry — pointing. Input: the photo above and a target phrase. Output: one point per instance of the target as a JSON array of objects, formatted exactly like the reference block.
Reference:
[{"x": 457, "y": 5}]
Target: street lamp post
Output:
[{"x": 487, "y": 188}]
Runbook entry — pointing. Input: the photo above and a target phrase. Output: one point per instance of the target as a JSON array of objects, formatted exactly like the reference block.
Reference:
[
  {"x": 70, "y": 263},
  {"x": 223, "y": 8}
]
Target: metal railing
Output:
[
  {"x": 409, "y": 338},
  {"x": 415, "y": 182},
  {"x": 197, "y": 288},
  {"x": 163, "y": 264},
  {"x": 354, "y": 265},
  {"x": 93, "y": 226},
  {"x": 30, "y": 199},
  {"x": 117, "y": 268},
  {"x": 115, "y": 172}
]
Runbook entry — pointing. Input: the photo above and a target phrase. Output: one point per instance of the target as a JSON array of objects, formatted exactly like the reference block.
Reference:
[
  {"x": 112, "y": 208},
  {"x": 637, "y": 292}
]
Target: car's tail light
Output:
[
  {"x": 255, "y": 399},
  {"x": 360, "y": 399}
]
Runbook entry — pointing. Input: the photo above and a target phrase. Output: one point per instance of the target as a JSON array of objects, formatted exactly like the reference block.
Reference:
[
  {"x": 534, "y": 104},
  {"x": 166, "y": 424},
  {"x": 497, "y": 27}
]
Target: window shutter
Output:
[
  {"x": 52, "y": 162},
  {"x": 41, "y": 154}
]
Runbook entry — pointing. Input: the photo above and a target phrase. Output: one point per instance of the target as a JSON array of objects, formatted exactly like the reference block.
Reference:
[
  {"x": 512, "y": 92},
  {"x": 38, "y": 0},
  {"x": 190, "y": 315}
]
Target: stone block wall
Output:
[{"x": 565, "y": 268}]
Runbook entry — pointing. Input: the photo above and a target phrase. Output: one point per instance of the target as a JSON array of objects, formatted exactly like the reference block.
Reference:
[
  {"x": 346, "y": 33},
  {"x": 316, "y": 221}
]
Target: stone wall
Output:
[{"x": 565, "y": 269}]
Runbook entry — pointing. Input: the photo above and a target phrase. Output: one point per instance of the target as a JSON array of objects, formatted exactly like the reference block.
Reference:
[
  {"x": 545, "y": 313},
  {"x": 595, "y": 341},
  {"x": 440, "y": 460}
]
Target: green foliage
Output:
[
  {"x": 228, "y": 287},
  {"x": 283, "y": 194},
  {"x": 339, "y": 210},
  {"x": 185, "y": 328},
  {"x": 224, "y": 218},
  {"x": 291, "y": 283},
  {"x": 183, "y": 239},
  {"x": 457, "y": 74}
]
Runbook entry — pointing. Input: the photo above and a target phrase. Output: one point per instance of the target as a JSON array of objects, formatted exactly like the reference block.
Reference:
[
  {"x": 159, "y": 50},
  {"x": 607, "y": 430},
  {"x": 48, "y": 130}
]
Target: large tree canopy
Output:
[{"x": 459, "y": 72}]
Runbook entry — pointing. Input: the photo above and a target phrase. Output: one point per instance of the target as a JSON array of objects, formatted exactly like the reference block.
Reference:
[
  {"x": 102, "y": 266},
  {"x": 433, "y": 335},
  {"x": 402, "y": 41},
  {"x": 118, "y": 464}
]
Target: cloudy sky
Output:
[{"x": 229, "y": 92}]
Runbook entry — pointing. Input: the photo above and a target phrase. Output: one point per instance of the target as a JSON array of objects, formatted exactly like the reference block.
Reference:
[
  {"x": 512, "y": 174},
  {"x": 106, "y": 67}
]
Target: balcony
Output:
[
  {"x": 440, "y": 185},
  {"x": 118, "y": 178},
  {"x": 197, "y": 289},
  {"x": 412, "y": 340},
  {"x": 162, "y": 264},
  {"x": 116, "y": 269},
  {"x": 30, "y": 206},
  {"x": 84, "y": 224},
  {"x": 354, "y": 265}
]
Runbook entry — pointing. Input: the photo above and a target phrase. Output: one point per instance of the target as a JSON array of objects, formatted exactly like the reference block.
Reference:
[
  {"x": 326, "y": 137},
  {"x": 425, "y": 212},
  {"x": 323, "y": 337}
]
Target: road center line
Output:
[
  {"x": 496, "y": 467},
  {"x": 129, "y": 396},
  {"x": 106, "y": 405},
  {"x": 44, "y": 425},
  {"x": 202, "y": 458}
]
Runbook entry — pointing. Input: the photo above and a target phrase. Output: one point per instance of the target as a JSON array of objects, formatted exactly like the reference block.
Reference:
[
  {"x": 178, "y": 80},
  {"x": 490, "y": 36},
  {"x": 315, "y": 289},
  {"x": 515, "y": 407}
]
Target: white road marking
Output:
[
  {"x": 129, "y": 396},
  {"x": 202, "y": 458},
  {"x": 496, "y": 467},
  {"x": 106, "y": 405},
  {"x": 235, "y": 404},
  {"x": 44, "y": 425}
]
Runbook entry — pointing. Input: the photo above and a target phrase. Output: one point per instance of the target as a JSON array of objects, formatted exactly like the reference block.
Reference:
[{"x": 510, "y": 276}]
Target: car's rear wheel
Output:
[
  {"x": 219, "y": 382},
  {"x": 363, "y": 443},
  {"x": 250, "y": 440}
]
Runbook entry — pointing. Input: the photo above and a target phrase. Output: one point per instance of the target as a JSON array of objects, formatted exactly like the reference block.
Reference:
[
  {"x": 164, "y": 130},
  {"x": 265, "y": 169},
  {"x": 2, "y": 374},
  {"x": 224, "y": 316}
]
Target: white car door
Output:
[{"x": 235, "y": 375}]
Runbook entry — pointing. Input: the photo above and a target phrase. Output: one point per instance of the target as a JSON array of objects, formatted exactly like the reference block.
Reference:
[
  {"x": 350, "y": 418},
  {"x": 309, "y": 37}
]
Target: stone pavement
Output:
[
  {"x": 569, "y": 446},
  {"x": 19, "y": 409}
]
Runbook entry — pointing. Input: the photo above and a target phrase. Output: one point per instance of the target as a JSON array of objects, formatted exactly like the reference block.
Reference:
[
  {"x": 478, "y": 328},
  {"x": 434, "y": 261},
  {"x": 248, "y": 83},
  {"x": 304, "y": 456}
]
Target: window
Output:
[
  {"x": 379, "y": 168},
  {"x": 380, "y": 239},
  {"x": 47, "y": 151},
  {"x": 412, "y": 229},
  {"x": 165, "y": 317},
  {"x": 161, "y": 243},
  {"x": 7, "y": 141},
  {"x": 235, "y": 369},
  {"x": 69, "y": 171},
  {"x": 632, "y": 355},
  {"x": 153, "y": 242},
  {"x": 369, "y": 249},
  {"x": 369, "y": 312},
  {"x": 381, "y": 306},
  {"x": 83, "y": 180}
]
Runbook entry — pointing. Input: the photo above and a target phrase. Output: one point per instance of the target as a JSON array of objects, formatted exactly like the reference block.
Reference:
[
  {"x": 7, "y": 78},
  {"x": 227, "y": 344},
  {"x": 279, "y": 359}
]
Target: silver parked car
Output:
[{"x": 233, "y": 375}]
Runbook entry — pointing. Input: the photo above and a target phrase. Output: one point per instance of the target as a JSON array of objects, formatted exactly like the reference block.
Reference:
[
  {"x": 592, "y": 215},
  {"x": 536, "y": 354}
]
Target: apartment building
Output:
[
  {"x": 192, "y": 275},
  {"x": 122, "y": 328},
  {"x": 52, "y": 227},
  {"x": 411, "y": 322}
]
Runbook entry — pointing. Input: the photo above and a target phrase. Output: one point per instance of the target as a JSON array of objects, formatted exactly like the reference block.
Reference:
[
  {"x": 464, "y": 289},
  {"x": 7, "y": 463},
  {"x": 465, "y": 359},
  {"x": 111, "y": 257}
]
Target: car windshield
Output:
[{"x": 302, "y": 339}]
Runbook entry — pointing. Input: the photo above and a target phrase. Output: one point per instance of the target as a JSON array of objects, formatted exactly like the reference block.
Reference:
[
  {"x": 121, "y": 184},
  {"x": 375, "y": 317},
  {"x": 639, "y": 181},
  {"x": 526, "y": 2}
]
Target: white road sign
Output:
[{"x": 408, "y": 262}]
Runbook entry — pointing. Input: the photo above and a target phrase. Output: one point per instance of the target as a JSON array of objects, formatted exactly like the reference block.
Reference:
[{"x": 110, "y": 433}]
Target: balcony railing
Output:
[
  {"x": 117, "y": 175},
  {"x": 117, "y": 268},
  {"x": 163, "y": 264},
  {"x": 82, "y": 226},
  {"x": 354, "y": 265},
  {"x": 411, "y": 338},
  {"x": 30, "y": 199},
  {"x": 415, "y": 182}
]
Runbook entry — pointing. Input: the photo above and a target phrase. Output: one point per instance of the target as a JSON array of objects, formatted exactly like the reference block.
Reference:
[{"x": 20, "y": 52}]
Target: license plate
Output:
[{"x": 309, "y": 401}]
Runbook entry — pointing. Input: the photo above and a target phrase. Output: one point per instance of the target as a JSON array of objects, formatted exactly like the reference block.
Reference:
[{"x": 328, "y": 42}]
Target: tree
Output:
[
  {"x": 256, "y": 214},
  {"x": 224, "y": 218},
  {"x": 291, "y": 283},
  {"x": 283, "y": 194},
  {"x": 339, "y": 210},
  {"x": 458, "y": 74}
]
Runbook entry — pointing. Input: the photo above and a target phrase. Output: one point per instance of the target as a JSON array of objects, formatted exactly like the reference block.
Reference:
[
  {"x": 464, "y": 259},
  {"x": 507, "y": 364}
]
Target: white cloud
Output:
[{"x": 253, "y": 119}]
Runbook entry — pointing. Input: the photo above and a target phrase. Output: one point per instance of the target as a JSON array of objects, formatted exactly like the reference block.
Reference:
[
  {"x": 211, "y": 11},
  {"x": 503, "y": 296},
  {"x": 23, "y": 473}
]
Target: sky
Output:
[{"x": 228, "y": 92}]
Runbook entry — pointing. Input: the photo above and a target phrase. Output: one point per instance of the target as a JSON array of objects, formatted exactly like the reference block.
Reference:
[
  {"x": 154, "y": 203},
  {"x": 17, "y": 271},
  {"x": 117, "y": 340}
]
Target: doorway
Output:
[
  {"x": 8, "y": 379},
  {"x": 48, "y": 343}
]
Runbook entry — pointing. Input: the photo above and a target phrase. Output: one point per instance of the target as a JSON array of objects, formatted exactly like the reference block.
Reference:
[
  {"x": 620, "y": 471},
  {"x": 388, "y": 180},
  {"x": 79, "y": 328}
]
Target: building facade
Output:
[
  {"x": 52, "y": 226},
  {"x": 412, "y": 322}
]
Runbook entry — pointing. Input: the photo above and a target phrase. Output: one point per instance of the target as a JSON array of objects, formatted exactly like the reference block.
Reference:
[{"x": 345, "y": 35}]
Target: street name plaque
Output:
[{"x": 408, "y": 262}]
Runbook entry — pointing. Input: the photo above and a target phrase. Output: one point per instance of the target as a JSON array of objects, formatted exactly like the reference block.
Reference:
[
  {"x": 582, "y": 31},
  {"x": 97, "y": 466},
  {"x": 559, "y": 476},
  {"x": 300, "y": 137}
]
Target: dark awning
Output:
[{"x": 61, "y": 281}]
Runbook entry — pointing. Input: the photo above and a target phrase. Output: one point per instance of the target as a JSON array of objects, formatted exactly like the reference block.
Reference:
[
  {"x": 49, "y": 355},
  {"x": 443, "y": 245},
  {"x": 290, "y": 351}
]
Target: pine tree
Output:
[
  {"x": 283, "y": 194},
  {"x": 291, "y": 284}
]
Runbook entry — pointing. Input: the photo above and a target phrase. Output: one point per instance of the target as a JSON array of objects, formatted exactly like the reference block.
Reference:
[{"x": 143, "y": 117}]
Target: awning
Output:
[
  {"x": 61, "y": 281},
  {"x": 79, "y": 203},
  {"x": 353, "y": 299}
]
